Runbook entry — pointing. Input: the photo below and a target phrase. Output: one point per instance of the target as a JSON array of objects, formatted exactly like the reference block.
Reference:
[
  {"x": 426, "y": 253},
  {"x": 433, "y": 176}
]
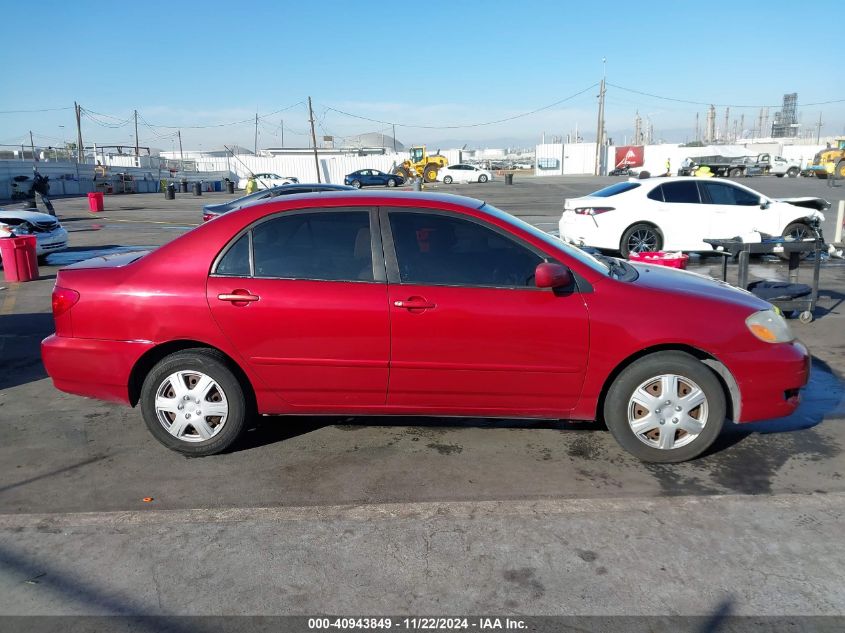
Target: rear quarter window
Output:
[{"x": 613, "y": 190}]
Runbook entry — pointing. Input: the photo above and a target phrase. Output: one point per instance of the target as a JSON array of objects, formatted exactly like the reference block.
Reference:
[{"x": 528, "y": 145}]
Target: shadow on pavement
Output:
[{"x": 20, "y": 347}]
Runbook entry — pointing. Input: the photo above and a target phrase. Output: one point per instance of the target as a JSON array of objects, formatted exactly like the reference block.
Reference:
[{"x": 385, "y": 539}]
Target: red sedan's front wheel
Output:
[{"x": 666, "y": 407}]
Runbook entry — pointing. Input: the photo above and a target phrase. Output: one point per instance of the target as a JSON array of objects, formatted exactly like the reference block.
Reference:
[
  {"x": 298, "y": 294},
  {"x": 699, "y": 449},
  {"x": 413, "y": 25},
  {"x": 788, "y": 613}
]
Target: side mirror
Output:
[
  {"x": 550, "y": 275},
  {"x": 764, "y": 204}
]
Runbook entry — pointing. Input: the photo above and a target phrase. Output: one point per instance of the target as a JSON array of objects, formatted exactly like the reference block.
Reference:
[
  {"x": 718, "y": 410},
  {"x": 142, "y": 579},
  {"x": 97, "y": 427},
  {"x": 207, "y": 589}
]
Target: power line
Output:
[
  {"x": 250, "y": 120},
  {"x": 718, "y": 105},
  {"x": 32, "y": 111},
  {"x": 470, "y": 125}
]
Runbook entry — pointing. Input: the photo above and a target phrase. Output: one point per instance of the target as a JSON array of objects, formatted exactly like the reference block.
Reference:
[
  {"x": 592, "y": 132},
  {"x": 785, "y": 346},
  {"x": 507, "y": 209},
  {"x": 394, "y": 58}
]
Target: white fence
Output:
[{"x": 556, "y": 159}]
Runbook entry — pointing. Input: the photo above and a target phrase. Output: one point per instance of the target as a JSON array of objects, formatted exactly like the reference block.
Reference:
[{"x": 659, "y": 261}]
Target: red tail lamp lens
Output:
[{"x": 63, "y": 300}]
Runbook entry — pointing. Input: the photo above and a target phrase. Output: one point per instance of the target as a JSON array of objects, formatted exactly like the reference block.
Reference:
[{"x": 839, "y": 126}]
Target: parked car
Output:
[
  {"x": 372, "y": 178},
  {"x": 307, "y": 305},
  {"x": 50, "y": 235},
  {"x": 211, "y": 211},
  {"x": 463, "y": 173},
  {"x": 268, "y": 181},
  {"x": 678, "y": 214}
]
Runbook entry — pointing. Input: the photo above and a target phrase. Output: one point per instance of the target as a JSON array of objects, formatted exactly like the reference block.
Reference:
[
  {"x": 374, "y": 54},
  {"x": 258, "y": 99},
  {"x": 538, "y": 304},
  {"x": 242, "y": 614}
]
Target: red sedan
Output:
[{"x": 386, "y": 303}]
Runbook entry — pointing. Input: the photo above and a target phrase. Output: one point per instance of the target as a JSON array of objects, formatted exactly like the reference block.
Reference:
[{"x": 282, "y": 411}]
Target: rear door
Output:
[
  {"x": 302, "y": 296},
  {"x": 470, "y": 332},
  {"x": 680, "y": 216}
]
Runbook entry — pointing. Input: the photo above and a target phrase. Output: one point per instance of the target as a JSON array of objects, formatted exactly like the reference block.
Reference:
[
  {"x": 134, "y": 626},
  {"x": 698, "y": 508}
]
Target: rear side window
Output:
[
  {"x": 319, "y": 246},
  {"x": 612, "y": 190},
  {"x": 235, "y": 262},
  {"x": 683, "y": 191}
]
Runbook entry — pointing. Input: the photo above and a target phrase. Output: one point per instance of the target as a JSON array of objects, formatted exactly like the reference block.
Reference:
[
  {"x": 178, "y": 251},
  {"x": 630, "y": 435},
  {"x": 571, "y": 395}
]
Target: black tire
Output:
[
  {"x": 793, "y": 172},
  {"x": 798, "y": 231},
  {"x": 647, "y": 233},
  {"x": 391, "y": 182},
  {"x": 430, "y": 172},
  {"x": 735, "y": 172},
  {"x": 214, "y": 365},
  {"x": 618, "y": 406},
  {"x": 356, "y": 184},
  {"x": 839, "y": 170},
  {"x": 447, "y": 180},
  {"x": 482, "y": 178},
  {"x": 779, "y": 175}
]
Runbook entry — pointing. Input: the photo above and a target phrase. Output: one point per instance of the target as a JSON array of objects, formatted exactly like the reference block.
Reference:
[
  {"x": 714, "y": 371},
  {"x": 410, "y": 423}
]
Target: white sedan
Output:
[
  {"x": 463, "y": 173},
  {"x": 50, "y": 236},
  {"x": 678, "y": 214},
  {"x": 268, "y": 181}
]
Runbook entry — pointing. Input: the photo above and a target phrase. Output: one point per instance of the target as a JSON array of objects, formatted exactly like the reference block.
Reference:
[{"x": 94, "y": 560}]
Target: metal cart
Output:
[{"x": 743, "y": 252}]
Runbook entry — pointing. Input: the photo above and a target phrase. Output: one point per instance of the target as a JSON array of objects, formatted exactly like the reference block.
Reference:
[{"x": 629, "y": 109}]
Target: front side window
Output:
[
  {"x": 720, "y": 193},
  {"x": 440, "y": 249},
  {"x": 332, "y": 246},
  {"x": 682, "y": 191}
]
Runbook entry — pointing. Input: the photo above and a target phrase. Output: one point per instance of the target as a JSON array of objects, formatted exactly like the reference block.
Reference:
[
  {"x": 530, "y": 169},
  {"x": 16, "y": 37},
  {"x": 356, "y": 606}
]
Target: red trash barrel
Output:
[
  {"x": 20, "y": 262},
  {"x": 95, "y": 201}
]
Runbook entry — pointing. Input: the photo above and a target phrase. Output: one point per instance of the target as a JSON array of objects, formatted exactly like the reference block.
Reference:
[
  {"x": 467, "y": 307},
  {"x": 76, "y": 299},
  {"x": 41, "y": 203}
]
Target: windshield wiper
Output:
[{"x": 618, "y": 268}]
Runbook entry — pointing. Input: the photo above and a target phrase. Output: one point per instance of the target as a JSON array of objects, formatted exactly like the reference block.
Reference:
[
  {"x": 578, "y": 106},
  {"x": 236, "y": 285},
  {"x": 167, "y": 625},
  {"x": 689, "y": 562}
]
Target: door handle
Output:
[
  {"x": 414, "y": 303},
  {"x": 238, "y": 296}
]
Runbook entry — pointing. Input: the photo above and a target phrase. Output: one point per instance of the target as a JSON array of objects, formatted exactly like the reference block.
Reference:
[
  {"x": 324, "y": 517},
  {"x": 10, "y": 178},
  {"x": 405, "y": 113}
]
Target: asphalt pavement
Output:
[{"x": 408, "y": 515}]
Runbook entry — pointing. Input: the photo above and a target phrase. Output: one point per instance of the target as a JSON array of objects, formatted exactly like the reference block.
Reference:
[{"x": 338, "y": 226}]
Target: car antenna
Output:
[{"x": 235, "y": 156}]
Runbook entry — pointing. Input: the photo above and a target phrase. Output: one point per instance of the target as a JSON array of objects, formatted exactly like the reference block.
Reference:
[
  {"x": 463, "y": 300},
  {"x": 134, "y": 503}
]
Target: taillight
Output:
[
  {"x": 592, "y": 210},
  {"x": 208, "y": 216},
  {"x": 63, "y": 300}
]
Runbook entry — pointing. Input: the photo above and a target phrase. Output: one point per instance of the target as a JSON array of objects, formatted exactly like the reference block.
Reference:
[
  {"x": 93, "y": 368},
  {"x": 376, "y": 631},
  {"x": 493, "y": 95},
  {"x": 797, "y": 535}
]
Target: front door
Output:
[
  {"x": 303, "y": 299},
  {"x": 470, "y": 332}
]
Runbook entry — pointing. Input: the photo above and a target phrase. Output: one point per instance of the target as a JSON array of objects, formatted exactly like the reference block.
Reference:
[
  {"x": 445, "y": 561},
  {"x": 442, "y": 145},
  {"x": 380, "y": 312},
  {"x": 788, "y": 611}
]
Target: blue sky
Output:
[{"x": 195, "y": 64}]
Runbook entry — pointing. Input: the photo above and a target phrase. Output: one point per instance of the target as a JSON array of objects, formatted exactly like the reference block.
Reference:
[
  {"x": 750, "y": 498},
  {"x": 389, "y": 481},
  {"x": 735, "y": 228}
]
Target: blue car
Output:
[{"x": 372, "y": 178}]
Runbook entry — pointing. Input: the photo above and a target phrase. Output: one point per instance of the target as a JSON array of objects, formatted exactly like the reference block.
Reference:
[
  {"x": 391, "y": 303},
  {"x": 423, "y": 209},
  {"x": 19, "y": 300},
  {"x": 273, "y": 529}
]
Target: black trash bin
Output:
[
  {"x": 230, "y": 186},
  {"x": 508, "y": 179},
  {"x": 197, "y": 189},
  {"x": 183, "y": 185},
  {"x": 170, "y": 192}
]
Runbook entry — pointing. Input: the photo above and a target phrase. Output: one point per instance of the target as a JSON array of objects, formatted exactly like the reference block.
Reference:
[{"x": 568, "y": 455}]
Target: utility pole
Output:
[
  {"x": 697, "y": 134},
  {"x": 255, "y": 146},
  {"x": 394, "y": 137},
  {"x": 726, "y": 132},
  {"x": 137, "y": 149},
  {"x": 282, "y": 128},
  {"x": 179, "y": 134},
  {"x": 32, "y": 146},
  {"x": 314, "y": 139},
  {"x": 819, "y": 130},
  {"x": 600, "y": 128},
  {"x": 80, "y": 152}
]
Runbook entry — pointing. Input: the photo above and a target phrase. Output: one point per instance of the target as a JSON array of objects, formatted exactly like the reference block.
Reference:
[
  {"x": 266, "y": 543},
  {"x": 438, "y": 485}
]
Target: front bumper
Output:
[
  {"x": 46, "y": 243},
  {"x": 769, "y": 380}
]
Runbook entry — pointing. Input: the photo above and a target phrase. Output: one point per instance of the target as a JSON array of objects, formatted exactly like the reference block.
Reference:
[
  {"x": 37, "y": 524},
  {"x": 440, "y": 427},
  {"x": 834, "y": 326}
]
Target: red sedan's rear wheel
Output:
[
  {"x": 666, "y": 407},
  {"x": 193, "y": 403}
]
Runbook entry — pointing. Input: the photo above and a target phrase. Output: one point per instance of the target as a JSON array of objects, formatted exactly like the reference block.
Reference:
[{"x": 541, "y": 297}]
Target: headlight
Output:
[{"x": 769, "y": 326}]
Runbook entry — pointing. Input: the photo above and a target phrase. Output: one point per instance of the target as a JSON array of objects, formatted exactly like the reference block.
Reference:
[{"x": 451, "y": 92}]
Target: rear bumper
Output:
[
  {"x": 769, "y": 380},
  {"x": 91, "y": 367}
]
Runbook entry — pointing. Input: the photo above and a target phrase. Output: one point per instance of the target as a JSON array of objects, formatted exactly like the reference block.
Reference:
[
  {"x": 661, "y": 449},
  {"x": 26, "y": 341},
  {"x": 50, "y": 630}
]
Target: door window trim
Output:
[
  {"x": 392, "y": 261},
  {"x": 376, "y": 249}
]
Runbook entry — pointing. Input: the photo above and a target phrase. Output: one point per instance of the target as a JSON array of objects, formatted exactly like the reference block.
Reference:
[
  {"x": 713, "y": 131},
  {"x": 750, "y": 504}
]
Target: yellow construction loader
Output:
[
  {"x": 421, "y": 165},
  {"x": 834, "y": 154}
]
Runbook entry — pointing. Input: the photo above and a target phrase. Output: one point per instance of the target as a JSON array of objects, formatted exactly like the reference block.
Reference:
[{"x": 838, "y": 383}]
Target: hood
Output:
[
  {"x": 667, "y": 279},
  {"x": 28, "y": 216},
  {"x": 808, "y": 202}
]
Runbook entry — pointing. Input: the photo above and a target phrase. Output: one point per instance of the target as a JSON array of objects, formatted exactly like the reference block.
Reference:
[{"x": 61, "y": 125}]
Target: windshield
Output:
[
  {"x": 551, "y": 240},
  {"x": 612, "y": 190}
]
